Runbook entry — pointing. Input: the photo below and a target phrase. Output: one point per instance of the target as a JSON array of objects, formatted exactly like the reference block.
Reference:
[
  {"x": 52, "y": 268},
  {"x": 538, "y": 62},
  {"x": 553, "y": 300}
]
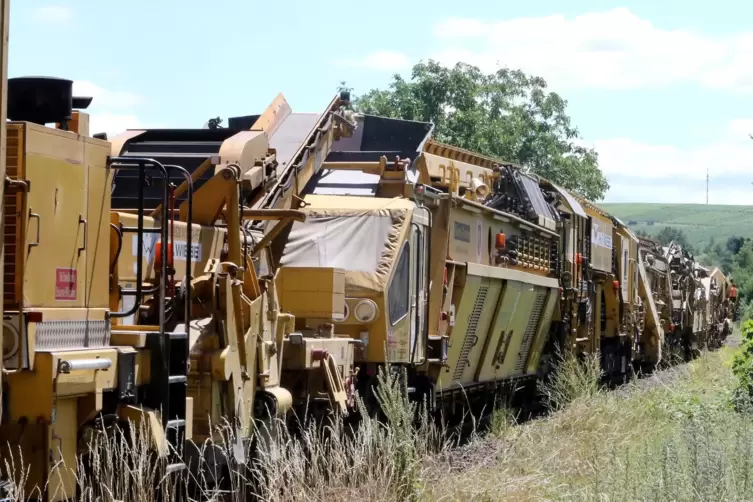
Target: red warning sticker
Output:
[{"x": 66, "y": 283}]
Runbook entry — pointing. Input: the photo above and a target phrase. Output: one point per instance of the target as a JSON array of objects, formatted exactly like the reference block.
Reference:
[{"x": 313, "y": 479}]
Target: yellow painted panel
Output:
[
  {"x": 54, "y": 143},
  {"x": 312, "y": 291},
  {"x": 464, "y": 308},
  {"x": 516, "y": 330},
  {"x": 99, "y": 181},
  {"x": 482, "y": 316},
  {"x": 493, "y": 358},
  {"x": 206, "y": 244},
  {"x": 56, "y": 268},
  {"x": 542, "y": 333}
]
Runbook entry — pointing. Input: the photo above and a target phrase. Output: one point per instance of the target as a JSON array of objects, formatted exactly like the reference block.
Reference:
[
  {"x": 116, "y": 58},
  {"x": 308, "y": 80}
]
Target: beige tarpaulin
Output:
[{"x": 362, "y": 242}]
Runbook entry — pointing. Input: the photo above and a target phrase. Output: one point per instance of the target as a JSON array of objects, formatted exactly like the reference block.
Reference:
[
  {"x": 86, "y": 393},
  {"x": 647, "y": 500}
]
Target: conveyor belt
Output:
[
  {"x": 308, "y": 131},
  {"x": 291, "y": 134},
  {"x": 374, "y": 137},
  {"x": 295, "y": 139},
  {"x": 190, "y": 147}
]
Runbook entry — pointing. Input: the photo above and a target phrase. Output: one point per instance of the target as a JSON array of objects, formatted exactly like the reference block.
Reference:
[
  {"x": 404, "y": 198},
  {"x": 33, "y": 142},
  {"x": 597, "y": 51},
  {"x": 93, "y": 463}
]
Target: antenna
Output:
[{"x": 707, "y": 185}]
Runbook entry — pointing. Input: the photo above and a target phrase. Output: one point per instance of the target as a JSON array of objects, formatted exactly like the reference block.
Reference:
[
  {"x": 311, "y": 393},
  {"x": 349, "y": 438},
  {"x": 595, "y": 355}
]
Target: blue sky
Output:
[{"x": 662, "y": 90}]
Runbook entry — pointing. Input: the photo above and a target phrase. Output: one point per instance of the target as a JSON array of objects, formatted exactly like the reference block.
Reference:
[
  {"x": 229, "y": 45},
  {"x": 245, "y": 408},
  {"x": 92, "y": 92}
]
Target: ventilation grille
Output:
[
  {"x": 531, "y": 328},
  {"x": 470, "y": 333},
  {"x": 11, "y": 219}
]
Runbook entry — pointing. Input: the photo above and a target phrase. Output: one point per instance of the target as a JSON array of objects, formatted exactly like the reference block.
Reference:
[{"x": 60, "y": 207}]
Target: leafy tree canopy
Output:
[
  {"x": 673, "y": 234},
  {"x": 507, "y": 115}
]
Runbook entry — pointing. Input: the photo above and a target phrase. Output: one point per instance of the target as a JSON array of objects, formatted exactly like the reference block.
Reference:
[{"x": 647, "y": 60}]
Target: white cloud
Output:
[
  {"x": 380, "y": 60},
  {"x": 682, "y": 193},
  {"x": 642, "y": 172},
  {"x": 103, "y": 97},
  {"x": 114, "y": 124},
  {"x": 722, "y": 158},
  {"x": 740, "y": 128},
  {"x": 52, "y": 14},
  {"x": 613, "y": 49},
  {"x": 616, "y": 49},
  {"x": 111, "y": 111}
]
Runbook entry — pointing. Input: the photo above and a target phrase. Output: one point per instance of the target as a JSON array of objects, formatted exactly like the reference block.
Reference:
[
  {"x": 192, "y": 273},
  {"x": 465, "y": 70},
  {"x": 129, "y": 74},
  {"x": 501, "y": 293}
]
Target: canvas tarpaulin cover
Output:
[{"x": 362, "y": 242}]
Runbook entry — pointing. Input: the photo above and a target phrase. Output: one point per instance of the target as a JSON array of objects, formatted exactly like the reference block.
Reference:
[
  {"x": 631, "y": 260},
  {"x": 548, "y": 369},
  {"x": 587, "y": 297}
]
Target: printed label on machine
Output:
[
  {"x": 66, "y": 284},
  {"x": 462, "y": 232},
  {"x": 600, "y": 238},
  {"x": 150, "y": 241},
  {"x": 180, "y": 247}
]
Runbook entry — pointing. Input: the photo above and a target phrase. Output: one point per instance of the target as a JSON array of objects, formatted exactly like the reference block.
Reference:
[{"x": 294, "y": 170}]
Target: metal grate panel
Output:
[
  {"x": 530, "y": 332},
  {"x": 63, "y": 335},
  {"x": 470, "y": 333}
]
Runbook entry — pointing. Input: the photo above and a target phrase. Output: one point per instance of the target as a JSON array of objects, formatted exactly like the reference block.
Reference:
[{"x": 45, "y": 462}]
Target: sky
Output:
[{"x": 662, "y": 90}]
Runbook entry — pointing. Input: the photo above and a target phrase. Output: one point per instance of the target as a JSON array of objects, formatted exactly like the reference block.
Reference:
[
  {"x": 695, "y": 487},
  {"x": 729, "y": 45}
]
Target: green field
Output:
[{"x": 699, "y": 221}]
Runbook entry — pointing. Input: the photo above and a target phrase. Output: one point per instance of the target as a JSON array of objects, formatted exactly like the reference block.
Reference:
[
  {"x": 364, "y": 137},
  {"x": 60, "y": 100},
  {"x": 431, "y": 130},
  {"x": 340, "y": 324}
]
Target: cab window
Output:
[{"x": 399, "y": 287}]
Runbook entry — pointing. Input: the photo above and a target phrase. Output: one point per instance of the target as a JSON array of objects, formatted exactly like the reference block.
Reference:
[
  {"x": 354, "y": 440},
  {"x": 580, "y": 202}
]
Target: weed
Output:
[{"x": 572, "y": 378}]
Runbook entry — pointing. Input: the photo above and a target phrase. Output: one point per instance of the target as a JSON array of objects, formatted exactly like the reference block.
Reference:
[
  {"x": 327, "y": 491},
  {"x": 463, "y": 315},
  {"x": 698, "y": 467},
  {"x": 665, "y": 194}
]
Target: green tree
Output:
[
  {"x": 735, "y": 243},
  {"x": 672, "y": 234},
  {"x": 506, "y": 114},
  {"x": 741, "y": 272}
]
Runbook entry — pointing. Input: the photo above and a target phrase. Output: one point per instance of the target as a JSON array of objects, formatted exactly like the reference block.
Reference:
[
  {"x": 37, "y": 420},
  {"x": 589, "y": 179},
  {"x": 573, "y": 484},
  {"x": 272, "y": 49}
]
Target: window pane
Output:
[{"x": 398, "y": 290}]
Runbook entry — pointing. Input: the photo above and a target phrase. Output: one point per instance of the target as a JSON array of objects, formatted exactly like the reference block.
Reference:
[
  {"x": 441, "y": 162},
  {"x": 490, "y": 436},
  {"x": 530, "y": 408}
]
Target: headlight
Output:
[{"x": 365, "y": 311}]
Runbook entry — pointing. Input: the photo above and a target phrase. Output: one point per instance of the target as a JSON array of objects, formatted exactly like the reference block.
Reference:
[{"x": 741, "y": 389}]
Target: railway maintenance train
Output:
[{"x": 178, "y": 277}]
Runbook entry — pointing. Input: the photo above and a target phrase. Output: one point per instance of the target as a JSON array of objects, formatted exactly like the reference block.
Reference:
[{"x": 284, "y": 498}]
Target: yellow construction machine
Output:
[
  {"x": 463, "y": 269},
  {"x": 135, "y": 294},
  {"x": 62, "y": 370},
  {"x": 446, "y": 277},
  {"x": 609, "y": 301},
  {"x": 247, "y": 359},
  {"x": 181, "y": 279}
]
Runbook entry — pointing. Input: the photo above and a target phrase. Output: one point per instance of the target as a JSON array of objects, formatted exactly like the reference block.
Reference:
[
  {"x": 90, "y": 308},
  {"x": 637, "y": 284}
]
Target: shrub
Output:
[
  {"x": 742, "y": 368},
  {"x": 572, "y": 378}
]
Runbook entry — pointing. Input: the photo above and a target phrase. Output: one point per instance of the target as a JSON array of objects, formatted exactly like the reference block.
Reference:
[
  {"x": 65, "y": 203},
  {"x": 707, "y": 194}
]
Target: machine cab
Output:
[{"x": 381, "y": 247}]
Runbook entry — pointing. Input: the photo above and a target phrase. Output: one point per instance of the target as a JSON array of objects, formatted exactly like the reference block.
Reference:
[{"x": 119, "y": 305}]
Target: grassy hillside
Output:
[{"x": 699, "y": 221}]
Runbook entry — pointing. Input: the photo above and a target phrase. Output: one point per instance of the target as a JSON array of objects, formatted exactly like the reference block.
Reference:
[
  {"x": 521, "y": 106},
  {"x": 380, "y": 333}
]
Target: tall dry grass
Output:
[
  {"x": 331, "y": 461},
  {"x": 671, "y": 436},
  {"x": 572, "y": 378}
]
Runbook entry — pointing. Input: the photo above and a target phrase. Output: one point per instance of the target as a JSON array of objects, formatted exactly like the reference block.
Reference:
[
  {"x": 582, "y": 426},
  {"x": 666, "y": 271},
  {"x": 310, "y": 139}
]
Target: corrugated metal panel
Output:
[
  {"x": 530, "y": 332},
  {"x": 534, "y": 194},
  {"x": 574, "y": 204},
  {"x": 471, "y": 335}
]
